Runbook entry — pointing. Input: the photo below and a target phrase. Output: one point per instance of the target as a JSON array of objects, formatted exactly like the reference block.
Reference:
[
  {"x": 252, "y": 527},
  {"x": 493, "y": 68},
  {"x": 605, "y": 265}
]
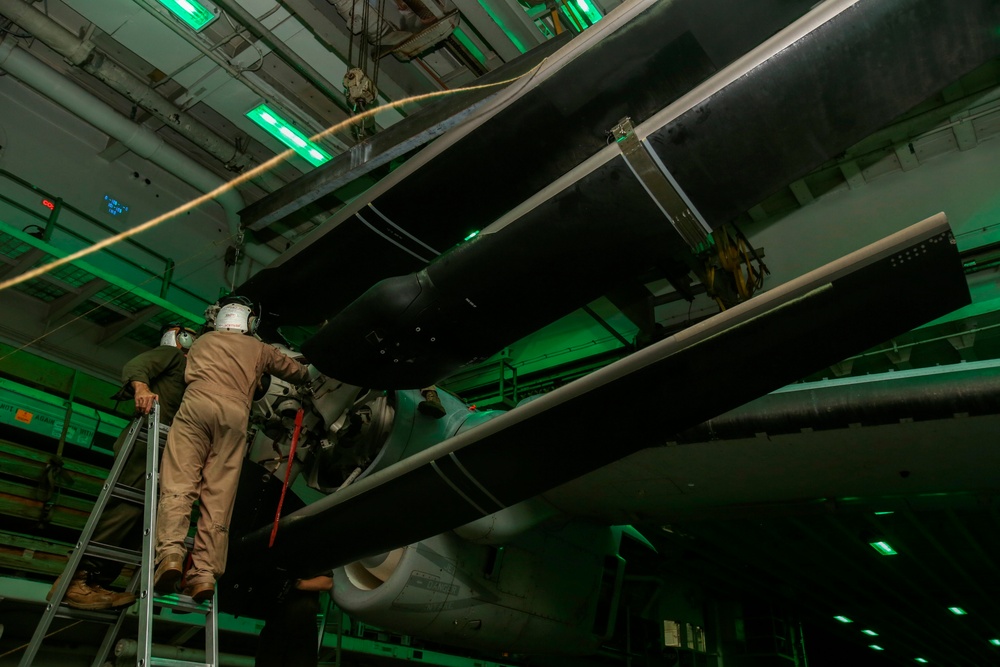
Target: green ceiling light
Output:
[
  {"x": 875, "y": 647},
  {"x": 283, "y": 131},
  {"x": 870, "y": 633},
  {"x": 883, "y": 548},
  {"x": 921, "y": 660},
  {"x": 995, "y": 642},
  {"x": 958, "y": 611},
  {"x": 472, "y": 235},
  {"x": 843, "y": 619},
  {"x": 885, "y": 512},
  {"x": 592, "y": 12},
  {"x": 575, "y": 17},
  {"x": 194, "y": 13},
  {"x": 469, "y": 45}
]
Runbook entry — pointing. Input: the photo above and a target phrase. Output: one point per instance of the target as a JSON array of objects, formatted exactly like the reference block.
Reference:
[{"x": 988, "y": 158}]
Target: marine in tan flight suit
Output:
[{"x": 205, "y": 446}]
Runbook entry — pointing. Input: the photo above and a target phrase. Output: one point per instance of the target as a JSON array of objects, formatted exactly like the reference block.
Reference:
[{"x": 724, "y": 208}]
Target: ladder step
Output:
[
  {"x": 106, "y": 616},
  {"x": 128, "y": 493},
  {"x": 167, "y": 662},
  {"x": 182, "y": 604},
  {"x": 118, "y": 554}
]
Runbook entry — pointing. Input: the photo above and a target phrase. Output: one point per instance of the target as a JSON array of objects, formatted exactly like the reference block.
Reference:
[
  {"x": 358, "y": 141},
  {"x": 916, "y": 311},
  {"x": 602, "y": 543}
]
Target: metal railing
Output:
[{"x": 51, "y": 224}]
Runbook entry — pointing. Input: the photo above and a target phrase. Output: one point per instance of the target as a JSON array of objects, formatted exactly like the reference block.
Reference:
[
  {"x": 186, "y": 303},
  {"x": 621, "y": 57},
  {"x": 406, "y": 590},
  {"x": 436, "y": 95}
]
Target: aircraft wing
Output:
[
  {"x": 916, "y": 439},
  {"x": 638, "y": 402}
]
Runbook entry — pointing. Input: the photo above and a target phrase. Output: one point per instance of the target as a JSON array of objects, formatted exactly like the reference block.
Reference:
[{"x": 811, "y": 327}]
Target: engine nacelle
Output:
[{"x": 549, "y": 591}]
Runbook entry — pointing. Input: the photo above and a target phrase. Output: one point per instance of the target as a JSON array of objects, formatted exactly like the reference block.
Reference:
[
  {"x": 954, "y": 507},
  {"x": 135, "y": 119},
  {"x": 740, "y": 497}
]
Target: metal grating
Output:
[
  {"x": 12, "y": 247},
  {"x": 122, "y": 308},
  {"x": 41, "y": 289},
  {"x": 121, "y": 298},
  {"x": 70, "y": 274},
  {"x": 97, "y": 314}
]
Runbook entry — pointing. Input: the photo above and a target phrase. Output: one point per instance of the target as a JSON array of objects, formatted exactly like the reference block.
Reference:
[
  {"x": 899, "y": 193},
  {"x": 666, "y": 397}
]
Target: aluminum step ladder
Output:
[{"x": 149, "y": 431}]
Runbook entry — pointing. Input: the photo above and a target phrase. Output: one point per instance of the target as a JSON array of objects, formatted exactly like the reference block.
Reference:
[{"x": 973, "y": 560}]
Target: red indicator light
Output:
[{"x": 49, "y": 205}]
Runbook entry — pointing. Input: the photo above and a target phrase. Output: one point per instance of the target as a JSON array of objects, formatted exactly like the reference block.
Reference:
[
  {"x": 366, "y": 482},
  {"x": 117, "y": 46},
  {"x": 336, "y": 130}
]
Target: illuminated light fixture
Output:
[
  {"x": 883, "y": 548},
  {"x": 589, "y": 10},
  {"x": 282, "y": 130},
  {"x": 875, "y": 647},
  {"x": 885, "y": 512},
  {"x": 921, "y": 660},
  {"x": 958, "y": 611},
  {"x": 870, "y": 633},
  {"x": 843, "y": 619},
  {"x": 472, "y": 235},
  {"x": 995, "y": 642},
  {"x": 472, "y": 48},
  {"x": 195, "y": 14}
]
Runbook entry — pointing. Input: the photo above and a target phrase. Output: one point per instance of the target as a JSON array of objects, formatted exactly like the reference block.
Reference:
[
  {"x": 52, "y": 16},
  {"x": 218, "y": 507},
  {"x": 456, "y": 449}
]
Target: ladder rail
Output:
[
  {"x": 212, "y": 633},
  {"x": 149, "y": 430},
  {"x": 76, "y": 557},
  {"x": 149, "y": 540},
  {"x": 108, "y": 643}
]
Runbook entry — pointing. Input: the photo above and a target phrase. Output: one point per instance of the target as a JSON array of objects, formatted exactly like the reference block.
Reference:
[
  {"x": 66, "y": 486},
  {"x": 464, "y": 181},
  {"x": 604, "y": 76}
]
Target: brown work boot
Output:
[
  {"x": 83, "y": 595},
  {"x": 118, "y": 599},
  {"x": 431, "y": 405},
  {"x": 168, "y": 573},
  {"x": 200, "y": 592}
]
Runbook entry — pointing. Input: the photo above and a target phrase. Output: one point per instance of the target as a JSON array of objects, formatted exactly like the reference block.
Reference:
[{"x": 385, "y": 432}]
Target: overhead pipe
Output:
[
  {"x": 126, "y": 650},
  {"x": 140, "y": 140},
  {"x": 83, "y": 54}
]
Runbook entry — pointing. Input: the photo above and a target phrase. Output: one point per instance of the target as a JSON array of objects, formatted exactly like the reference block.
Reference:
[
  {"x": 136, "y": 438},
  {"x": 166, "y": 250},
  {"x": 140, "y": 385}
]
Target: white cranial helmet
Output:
[
  {"x": 236, "y": 314},
  {"x": 177, "y": 335}
]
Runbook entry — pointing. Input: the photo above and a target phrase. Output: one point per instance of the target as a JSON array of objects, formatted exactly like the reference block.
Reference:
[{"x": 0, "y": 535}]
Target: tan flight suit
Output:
[
  {"x": 205, "y": 446},
  {"x": 162, "y": 369}
]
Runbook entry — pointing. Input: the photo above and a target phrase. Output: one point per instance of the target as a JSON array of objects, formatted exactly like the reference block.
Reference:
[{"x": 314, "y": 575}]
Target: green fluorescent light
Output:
[
  {"x": 870, "y": 633},
  {"x": 921, "y": 660},
  {"x": 192, "y": 12},
  {"x": 995, "y": 642},
  {"x": 883, "y": 548},
  {"x": 875, "y": 647},
  {"x": 958, "y": 611},
  {"x": 574, "y": 16},
  {"x": 469, "y": 45},
  {"x": 590, "y": 10},
  {"x": 885, "y": 512},
  {"x": 843, "y": 619},
  {"x": 471, "y": 235},
  {"x": 283, "y": 131}
]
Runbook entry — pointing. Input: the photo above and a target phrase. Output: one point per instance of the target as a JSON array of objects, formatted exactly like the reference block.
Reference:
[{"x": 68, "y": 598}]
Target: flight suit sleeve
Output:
[
  {"x": 286, "y": 368},
  {"x": 146, "y": 367}
]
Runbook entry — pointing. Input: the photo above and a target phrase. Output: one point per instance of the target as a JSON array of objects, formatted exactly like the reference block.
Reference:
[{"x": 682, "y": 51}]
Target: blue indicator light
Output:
[{"x": 115, "y": 207}]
